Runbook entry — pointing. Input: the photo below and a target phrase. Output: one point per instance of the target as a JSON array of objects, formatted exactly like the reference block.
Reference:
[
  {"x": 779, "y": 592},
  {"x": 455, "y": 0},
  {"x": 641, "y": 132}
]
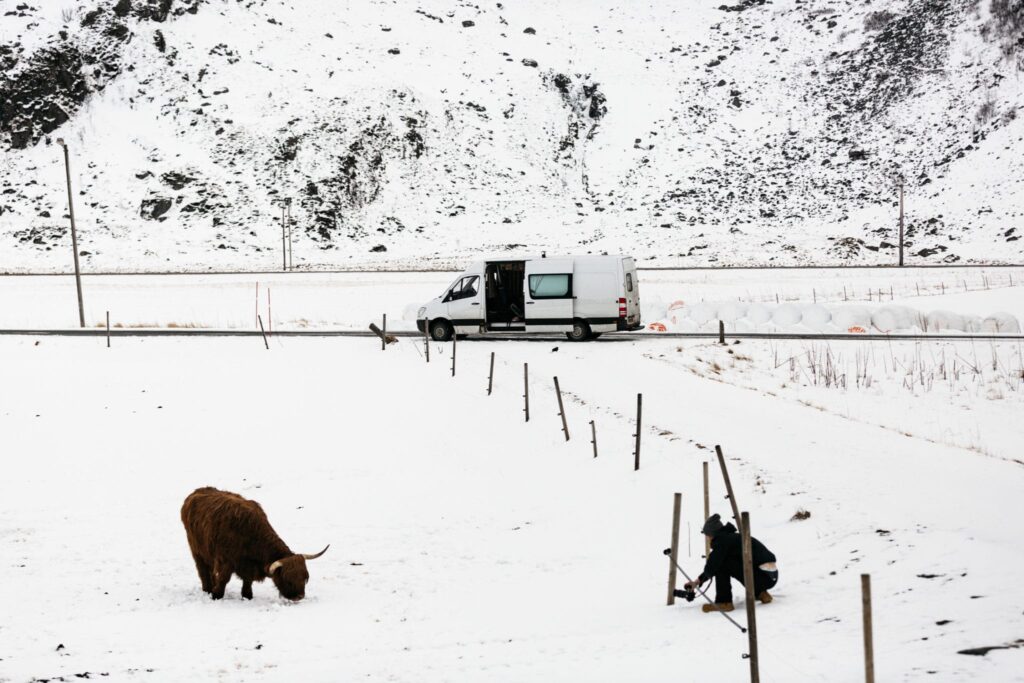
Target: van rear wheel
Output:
[
  {"x": 580, "y": 331},
  {"x": 441, "y": 330}
]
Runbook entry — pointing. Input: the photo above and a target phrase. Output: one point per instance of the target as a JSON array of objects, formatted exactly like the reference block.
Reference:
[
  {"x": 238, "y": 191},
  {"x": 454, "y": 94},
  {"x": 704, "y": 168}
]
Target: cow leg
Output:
[
  {"x": 221, "y": 576},
  {"x": 204, "y": 574},
  {"x": 247, "y": 589}
]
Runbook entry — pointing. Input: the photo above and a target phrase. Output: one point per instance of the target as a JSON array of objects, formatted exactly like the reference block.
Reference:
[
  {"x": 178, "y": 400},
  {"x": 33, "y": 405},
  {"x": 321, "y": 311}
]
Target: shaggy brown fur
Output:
[{"x": 229, "y": 534}]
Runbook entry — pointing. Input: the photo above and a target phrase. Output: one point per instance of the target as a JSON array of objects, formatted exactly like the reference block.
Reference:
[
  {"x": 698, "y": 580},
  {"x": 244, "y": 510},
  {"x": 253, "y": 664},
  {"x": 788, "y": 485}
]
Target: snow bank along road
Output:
[
  {"x": 352, "y": 300},
  {"x": 470, "y": 545}
]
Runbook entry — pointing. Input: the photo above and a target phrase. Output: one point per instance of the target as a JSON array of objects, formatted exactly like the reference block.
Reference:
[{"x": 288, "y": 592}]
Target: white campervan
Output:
[{"x": 582, "y": 296}]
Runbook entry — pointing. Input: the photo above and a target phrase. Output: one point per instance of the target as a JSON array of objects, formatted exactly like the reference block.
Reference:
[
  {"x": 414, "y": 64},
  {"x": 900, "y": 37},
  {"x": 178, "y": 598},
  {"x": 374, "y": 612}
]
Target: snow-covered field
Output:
[
  {"x": 469, "y": 545},
  {"x": 352, "y": 300}
]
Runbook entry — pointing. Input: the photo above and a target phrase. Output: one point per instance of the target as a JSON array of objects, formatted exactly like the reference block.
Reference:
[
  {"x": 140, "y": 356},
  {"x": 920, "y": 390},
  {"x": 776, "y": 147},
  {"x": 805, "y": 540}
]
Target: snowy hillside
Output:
[{"x": 416, "y": 133}]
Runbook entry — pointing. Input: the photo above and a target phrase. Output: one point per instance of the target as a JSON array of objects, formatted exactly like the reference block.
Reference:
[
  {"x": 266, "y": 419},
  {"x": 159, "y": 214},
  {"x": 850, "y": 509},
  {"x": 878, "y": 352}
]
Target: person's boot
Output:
[
  {"x": 717, "y": 607},
  {"x": 765, "y": 597}
]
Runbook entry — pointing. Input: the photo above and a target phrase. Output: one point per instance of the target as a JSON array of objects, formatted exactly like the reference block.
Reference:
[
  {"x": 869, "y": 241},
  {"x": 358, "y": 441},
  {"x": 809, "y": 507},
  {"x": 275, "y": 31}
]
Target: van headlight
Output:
[{"x": 421, "y": 313}]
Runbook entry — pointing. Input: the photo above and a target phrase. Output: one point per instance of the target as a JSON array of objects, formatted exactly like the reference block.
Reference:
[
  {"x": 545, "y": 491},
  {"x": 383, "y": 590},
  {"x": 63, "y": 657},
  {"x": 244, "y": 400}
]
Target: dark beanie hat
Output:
[{"x": 712, "y": 526}]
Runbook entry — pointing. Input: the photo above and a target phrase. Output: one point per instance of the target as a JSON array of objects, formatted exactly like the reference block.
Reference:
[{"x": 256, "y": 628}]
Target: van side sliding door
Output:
[{"x": 548, "y": 295}]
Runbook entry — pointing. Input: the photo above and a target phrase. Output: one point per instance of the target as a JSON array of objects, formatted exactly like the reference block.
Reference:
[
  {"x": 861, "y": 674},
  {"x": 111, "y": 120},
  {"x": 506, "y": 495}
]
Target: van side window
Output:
[
  {"x": 629, "y": 282},
  {"x": 463, "y": 289},
  {"x": 551, "y": 286}
]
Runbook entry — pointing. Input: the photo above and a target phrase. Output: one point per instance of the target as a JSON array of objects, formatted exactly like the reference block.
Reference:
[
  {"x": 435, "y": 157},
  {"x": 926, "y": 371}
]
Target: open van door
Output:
[{"x": 548, "y": 295}]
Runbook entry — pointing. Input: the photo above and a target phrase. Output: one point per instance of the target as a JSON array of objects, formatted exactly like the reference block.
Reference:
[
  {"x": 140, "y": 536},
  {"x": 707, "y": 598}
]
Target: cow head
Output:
[{"x": 290, "y": 575}]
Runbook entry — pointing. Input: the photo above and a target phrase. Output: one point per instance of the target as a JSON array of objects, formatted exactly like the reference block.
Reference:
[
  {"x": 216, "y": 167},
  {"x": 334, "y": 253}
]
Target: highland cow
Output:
[{"x": 231, "y": 535}]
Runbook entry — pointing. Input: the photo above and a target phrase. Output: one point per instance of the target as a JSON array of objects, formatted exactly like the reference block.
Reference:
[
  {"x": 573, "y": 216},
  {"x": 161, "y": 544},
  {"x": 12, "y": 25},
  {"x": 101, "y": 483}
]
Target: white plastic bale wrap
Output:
[
  {"x": 893, "y": 318},
  {"x": 1001, "y": 323},
  {"x": 848, "y": 317},
  {"x": 940, "y": 321},
  {"x": 731, "y": 312},
  {"x": 816, "y": 317},
  {"x": 758, "y": 314},
  {"x": 702, "y": 313},
  {"x": 786, "y": 315}
]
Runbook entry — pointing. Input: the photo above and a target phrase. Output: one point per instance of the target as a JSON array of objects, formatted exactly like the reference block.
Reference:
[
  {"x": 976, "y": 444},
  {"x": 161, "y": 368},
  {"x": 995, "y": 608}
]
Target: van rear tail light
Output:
[{"x": 622, "y": 307}]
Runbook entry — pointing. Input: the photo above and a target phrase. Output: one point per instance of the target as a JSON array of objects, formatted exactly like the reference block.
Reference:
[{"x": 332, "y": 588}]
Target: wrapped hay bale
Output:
[
  {"x": 1001, "y": 323},
  {"x": 855, "y": 319},
  {"x": 731, "y": 312},
  {"x": 893, "y": 318},
  {"x": 758, "y": 314},
  {"x": 940, "y": 321},
  {"x": 786, "y": 315},
  {"x": 702, "y": 313},
  {"x": 816, "y": 317}
]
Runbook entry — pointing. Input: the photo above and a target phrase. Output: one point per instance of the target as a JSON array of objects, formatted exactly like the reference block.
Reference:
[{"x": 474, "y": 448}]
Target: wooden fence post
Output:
[
  {"x": 869, "y": 650},
  {"x": 639, "y": 409},
  {"x": 384, "y": 332},
  {"x": 526, "y": 390},
  {"x": 561, "y": 410},
  {"x": 265, "y": 342},
  {"x": 748, "y": 580},
  {"x": 674, "y": 557},
  {"x": 707, "y": 509},
  {"x": 108, "y": 329},
  {"x": 728, "y": 487},
  {"x": 453, "y": 354},
  {"x": 721, "y": 332},
  {"x": 426, "y": 337},
  {"x": 490, "y": 377},
  {"x": 593, "y": 436}
]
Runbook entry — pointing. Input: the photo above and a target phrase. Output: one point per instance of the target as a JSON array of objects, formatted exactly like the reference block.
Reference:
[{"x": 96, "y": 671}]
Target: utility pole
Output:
[
  {"x": 74, "y": 234},
  {"x": 288, "y": 203},
  {"x": 901, "y": 221},
  {"x": 284, "y": 250}
]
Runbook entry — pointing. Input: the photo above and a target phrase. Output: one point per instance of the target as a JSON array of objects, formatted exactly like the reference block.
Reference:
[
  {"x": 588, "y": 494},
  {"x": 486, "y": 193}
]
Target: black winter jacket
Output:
[{"x": 727, "y": 554}]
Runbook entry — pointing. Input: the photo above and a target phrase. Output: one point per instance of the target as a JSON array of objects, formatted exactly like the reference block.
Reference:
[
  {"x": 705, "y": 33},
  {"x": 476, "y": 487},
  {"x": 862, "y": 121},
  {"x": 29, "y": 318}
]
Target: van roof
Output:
[{"x": 535, "y": 257}]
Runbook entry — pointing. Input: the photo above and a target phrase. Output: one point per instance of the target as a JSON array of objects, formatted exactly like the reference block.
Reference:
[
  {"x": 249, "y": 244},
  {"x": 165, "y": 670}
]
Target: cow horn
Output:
[
  {"x": 313, "y": 557},
  {"x": 275, "y": 565}
]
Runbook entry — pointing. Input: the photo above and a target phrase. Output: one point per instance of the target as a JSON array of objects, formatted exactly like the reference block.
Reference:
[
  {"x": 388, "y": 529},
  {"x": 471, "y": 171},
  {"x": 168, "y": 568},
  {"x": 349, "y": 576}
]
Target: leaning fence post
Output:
[
  {"x": 561, "y": 410},
  {"x": 593, "y": 436},
  {"x": 728, "y": 487},
  {"x": 526, "y": 390},
  {"x": 636, "y": 453},
  {"x": 265, "y": 342},
  {"x": 490, "y": 377},
  {"x": 108, "y": 329},
  {"x": 674, "y": 556},
  {"x": 748, "y": 580},
  {"x": 707, "y": 509},
  {"x": 869, "y": 650}
]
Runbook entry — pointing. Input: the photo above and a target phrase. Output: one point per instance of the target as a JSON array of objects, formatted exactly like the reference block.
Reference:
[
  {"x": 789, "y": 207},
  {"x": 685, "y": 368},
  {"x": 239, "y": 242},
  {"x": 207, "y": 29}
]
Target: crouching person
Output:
[{"x": 726, "y": 563}]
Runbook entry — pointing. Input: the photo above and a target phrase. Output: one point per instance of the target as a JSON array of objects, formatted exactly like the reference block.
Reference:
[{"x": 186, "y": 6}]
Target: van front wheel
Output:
[
  {"x": 441, "y": 330},
  {"x": 580, "y": 331}
]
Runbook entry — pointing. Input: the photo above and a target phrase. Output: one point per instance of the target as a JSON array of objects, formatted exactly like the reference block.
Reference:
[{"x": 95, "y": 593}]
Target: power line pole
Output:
[
  {"x": 291, "y": 264},
  {"x": 901, "y": 221},
  {"x": 284, "y": 250},
  {"x": 74, "y": 234}
]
